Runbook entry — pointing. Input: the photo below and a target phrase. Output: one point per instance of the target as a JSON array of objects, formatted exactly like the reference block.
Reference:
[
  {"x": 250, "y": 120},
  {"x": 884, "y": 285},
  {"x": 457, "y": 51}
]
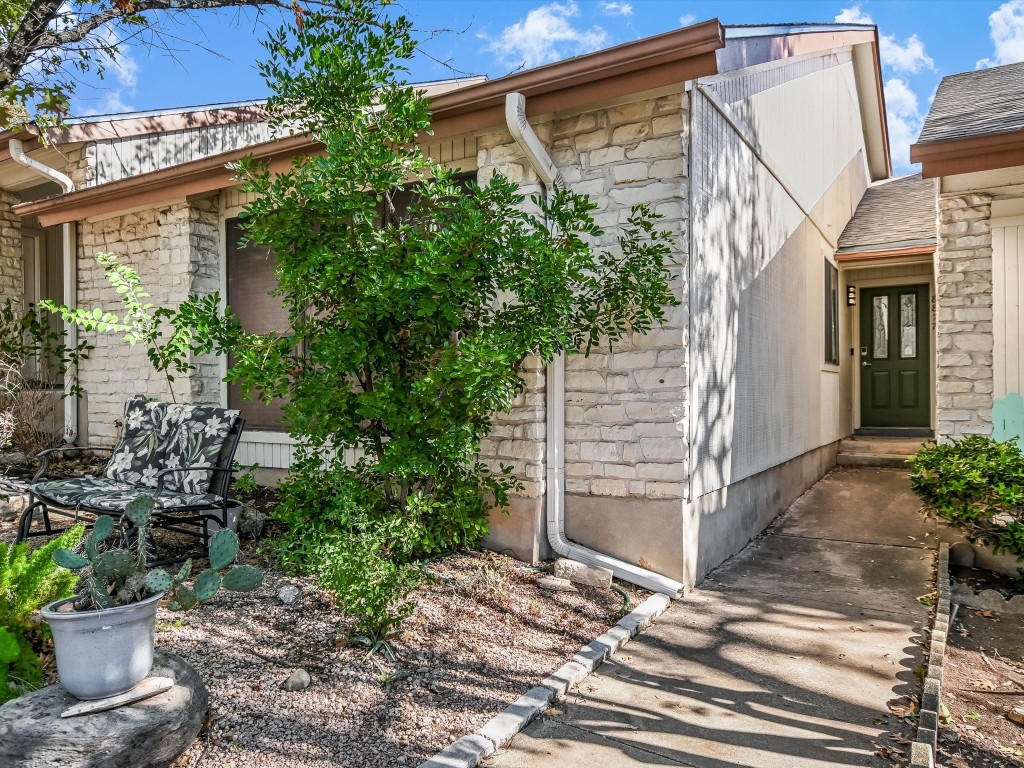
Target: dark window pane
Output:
[{"x": 251, "y": 278}]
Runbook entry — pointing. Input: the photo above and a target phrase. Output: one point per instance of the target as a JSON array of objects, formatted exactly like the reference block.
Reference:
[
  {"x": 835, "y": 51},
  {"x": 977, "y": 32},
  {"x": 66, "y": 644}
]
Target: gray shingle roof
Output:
[
  {"x": 976, "y": 104},
  {"x": 893, "y": 213}
]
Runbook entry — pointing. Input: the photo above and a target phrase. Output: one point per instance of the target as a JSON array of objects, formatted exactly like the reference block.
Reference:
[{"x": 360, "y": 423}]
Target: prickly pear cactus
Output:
[{"x": 120, "y": 575}]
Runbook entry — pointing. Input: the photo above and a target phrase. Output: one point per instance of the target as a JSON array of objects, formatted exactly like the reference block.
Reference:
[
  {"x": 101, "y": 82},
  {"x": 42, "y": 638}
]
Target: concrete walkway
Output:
[{"x": 786, "y": 656}]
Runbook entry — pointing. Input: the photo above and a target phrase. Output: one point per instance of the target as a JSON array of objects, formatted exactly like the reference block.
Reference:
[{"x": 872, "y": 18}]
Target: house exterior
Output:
[
  {"x": 972, "y": 147},
  {"x": 668, "y": 451}
]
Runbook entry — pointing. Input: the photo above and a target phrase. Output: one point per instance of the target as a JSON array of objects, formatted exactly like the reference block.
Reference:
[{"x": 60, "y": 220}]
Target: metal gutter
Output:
[
  {"x": 548, "y": 173},
  {"x": 70, "y": 286}
]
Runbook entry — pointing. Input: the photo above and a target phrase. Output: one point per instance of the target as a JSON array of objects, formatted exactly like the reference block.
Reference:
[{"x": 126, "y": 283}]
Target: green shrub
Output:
[
  {"x": 28, "y": 581},
  {"x": 371, "y": 580},
  {"x": 415, "y": 299},
  {"x": 978, "y": 484}
]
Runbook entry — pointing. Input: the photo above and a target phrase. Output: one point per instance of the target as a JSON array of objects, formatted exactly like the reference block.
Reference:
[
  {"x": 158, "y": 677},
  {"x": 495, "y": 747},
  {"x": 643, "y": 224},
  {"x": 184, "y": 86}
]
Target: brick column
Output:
[{"x": 963, "y": 260}]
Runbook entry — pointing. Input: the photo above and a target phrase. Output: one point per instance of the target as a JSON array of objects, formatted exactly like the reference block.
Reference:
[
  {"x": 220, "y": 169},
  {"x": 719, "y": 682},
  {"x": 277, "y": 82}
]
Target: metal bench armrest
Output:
[{"x": 45, "y": 456}]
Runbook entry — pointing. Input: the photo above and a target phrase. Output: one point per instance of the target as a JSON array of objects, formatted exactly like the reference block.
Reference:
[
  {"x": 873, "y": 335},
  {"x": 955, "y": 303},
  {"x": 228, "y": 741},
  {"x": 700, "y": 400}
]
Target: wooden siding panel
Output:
[{"x": 1007, "y": 319}]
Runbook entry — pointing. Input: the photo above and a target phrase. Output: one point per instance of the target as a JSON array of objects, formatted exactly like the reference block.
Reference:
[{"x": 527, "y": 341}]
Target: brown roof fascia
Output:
[
  {"x": 654, "y": 62},
  {"x": 672, "y": 57},
  {"x": 193, "y": 178},
  {"x": 880, "y": 88},
  {"x": 885, "y": 253},
  {"x": 29, "y": 136},
  {"x": 976, "y": 153}
]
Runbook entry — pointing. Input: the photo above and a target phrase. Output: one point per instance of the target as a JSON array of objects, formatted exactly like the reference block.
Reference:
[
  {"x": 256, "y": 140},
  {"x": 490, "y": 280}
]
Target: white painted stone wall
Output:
[
  {"x": 174, "y": 248},
  {"x": 963, "y": 261},
  {"x": 11, "y": 281},
  {"x": 625, "y": 407}
]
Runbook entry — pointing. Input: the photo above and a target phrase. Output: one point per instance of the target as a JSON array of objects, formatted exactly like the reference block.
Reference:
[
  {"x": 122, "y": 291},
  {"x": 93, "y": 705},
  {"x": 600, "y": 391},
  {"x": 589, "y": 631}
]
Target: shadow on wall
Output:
[{"x": 755, "y": 393}]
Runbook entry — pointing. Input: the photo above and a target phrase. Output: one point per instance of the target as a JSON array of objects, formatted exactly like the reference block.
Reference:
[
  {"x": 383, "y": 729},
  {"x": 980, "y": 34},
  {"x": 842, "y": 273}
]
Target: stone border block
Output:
[
  {"x": 468, "y": 751},
  {"x": 921, "y": 756},
  {"x": 923, "y": 749}
]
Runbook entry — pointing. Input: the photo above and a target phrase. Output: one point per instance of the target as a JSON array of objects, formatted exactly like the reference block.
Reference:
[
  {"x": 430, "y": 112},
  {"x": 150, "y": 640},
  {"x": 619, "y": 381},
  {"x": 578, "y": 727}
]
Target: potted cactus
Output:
[{"x": 104, "y": 636}]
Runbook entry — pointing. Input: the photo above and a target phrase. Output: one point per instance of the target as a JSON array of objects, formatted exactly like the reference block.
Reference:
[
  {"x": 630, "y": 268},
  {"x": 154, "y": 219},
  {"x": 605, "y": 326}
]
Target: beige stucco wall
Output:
[{"x": 963, "y": 263}]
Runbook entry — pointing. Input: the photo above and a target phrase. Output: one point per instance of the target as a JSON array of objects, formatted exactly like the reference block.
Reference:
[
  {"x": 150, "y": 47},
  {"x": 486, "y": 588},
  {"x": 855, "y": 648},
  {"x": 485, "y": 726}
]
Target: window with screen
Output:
[
  {"x": 251, "y": 278},
  {"x": 831, "y": 313}
]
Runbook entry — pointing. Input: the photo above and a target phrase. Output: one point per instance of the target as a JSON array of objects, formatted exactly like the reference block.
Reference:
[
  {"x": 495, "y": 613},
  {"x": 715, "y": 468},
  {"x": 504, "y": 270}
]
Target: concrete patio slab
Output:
[{"x": 786, "y": 657}]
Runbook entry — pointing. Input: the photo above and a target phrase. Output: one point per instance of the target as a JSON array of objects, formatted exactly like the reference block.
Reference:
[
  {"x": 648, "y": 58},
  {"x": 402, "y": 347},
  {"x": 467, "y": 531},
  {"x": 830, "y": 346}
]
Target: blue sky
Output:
[{"x": 922, "y": 40}]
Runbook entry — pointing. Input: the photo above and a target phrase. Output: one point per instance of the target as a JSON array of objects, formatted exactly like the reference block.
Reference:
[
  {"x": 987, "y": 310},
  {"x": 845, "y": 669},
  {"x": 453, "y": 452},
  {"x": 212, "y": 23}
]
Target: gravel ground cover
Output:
[
  {"x": 483, "y": 633},
  {"x": 983, "y": 679}
]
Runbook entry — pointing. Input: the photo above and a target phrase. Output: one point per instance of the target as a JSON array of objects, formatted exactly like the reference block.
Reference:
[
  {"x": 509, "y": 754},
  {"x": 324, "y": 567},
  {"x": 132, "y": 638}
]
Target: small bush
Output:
[
  {"x": 373, "y": 585},
  {"x": 978, "y": 484},
  {"x": 28, "y": 581}
]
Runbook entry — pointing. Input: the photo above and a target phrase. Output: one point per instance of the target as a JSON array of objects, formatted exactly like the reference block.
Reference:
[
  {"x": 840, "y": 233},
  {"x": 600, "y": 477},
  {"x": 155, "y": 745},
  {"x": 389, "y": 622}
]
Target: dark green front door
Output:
[{"x": 894, "y": 357}]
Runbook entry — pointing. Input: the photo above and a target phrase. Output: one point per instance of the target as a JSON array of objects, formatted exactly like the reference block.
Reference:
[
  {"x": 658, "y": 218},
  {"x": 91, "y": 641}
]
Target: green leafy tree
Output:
[
  {"x": 172, "y": 337},
  {"x": 409, "y": 324},
  {"x": 48, "y": 48}
]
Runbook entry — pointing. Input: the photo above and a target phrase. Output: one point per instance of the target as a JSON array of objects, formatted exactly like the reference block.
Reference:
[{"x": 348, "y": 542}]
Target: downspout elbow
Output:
[
  {"x": 18, "y": 155},
  {"x": 549, "y": 175},
  {"x": 524, "y": 135}
]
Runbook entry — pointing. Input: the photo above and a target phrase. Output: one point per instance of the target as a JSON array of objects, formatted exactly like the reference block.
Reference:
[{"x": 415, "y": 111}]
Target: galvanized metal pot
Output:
[{"x": 102, "y": 653}]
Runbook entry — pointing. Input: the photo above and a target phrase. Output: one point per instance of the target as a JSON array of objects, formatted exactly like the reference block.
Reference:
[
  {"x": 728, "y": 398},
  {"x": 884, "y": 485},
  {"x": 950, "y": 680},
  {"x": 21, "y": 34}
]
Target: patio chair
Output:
[{"x": 182, "y": 455}]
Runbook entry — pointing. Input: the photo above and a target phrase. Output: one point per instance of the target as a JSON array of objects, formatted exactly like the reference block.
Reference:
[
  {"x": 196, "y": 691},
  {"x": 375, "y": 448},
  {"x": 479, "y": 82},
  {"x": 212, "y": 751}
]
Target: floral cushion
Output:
[
  {"x": 195, "y": 436},
  {"x": 104, "y": 495},
  {"x": 139, "y": 454}
]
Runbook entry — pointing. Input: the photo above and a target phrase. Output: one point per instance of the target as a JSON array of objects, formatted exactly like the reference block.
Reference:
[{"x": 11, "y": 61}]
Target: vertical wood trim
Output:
[
  {"x": 999, "y": 312},
  {"x": 1012, "y": 237},
  {"x": 1007, "y": 317}
]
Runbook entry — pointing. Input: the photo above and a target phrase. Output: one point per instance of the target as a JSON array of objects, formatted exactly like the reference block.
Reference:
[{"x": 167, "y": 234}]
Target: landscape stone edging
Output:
[
  {"x": 468, "y": 751},
  {"x": 922, "y": 751}
]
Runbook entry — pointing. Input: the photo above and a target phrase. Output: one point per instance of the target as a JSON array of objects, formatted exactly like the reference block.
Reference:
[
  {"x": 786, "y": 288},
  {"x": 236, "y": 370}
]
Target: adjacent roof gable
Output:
[
  {"x": 976, "y": 104},
  {"x": 976, "y": 123},
  {"x": 895, "y": 216}
]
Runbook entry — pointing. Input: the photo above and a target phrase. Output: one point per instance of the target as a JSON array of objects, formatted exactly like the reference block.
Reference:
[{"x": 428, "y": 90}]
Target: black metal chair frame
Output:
[{"x": 191, "y": 520}]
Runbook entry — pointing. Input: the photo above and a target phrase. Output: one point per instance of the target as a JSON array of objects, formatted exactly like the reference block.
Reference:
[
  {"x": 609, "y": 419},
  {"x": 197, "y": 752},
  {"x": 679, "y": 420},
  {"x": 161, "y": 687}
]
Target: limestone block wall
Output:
[
  {"x": 964, "y": 343},
  {"x": 625, "y": 405},
  {"x": 11, "y": 281},
  {"x": 174, "y": 248}
]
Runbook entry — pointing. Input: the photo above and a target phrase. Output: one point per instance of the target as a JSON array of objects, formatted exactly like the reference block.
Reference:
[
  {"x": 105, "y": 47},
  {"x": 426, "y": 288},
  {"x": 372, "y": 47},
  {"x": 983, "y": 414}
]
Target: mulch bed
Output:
[
  {"x": 983, "y": 678},
  {"x": 482, "y": 634}
]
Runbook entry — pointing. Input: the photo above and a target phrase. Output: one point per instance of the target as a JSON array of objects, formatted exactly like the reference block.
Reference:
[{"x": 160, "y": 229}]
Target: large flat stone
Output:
[{"x": 147, "y": 734}]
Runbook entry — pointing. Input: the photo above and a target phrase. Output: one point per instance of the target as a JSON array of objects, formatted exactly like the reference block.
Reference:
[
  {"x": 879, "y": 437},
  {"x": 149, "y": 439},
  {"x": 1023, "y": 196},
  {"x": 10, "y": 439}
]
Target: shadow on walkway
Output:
[{"x": 786, "y": 656}]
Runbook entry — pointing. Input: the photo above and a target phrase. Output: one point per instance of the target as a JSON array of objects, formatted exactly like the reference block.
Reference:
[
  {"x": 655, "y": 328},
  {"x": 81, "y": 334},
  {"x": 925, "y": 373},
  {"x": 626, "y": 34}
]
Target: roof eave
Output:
[
  {"x": 967, "y": 155},
  {"x": 884, "y": 251},
  {"x": 670, "y": 58}
]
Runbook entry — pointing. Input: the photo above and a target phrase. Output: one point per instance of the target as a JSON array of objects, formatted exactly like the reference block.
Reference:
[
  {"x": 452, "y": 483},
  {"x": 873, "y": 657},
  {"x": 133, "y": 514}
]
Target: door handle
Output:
[{"x": 864, "y": 364}]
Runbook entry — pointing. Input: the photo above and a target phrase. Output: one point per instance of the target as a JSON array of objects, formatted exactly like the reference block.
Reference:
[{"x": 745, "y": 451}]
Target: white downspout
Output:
[
  {"x": 523, "y": 133},
  {"x": 70, "y": 286}
]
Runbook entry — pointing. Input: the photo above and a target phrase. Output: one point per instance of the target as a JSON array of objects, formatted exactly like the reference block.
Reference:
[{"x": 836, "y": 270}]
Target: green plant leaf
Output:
[
  {"x": 102, "y": 528},
  {"x": 68, "y": 559}
]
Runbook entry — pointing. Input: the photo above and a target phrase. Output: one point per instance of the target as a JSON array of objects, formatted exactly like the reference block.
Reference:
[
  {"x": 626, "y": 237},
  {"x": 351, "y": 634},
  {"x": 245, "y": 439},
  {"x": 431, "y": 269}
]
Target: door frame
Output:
[{"x": 849, "y": 277}]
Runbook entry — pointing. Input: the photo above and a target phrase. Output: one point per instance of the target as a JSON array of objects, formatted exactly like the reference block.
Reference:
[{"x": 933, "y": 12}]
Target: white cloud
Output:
[
  {"x": 1006, "y": 27},
  {"x": 903, "y": 114},
  {"x": 853, "y": 15},
  {"x": 908, "y": 56},
  {"x": 687, "y": 19},
  {"x": 616, "y": 9},
  {"x": 110, "y": 104},
  {"x": 546, "y": 34}
]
